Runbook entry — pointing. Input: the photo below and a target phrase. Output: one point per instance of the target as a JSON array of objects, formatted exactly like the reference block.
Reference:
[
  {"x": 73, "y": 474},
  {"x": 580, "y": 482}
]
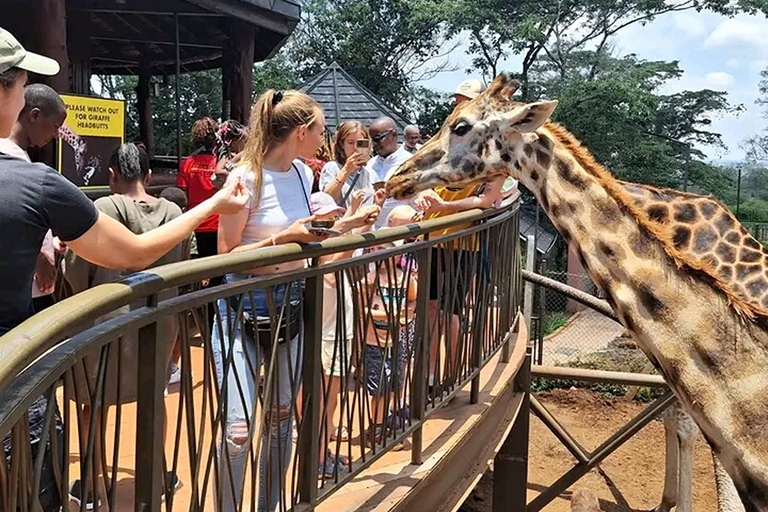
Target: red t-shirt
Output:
[{"x": 195, "y": 176}]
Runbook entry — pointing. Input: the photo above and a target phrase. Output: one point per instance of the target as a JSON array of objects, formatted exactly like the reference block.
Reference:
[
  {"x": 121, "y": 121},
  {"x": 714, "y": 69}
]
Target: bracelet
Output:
[{"x": 338, "y": 180}]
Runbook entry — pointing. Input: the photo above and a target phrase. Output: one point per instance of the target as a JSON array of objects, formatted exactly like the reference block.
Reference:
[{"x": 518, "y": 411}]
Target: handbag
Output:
[{"x": 261, "y": 330}]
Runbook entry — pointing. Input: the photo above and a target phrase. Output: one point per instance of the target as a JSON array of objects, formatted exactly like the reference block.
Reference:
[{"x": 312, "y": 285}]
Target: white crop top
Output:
[{"x": 284, "y": 200}]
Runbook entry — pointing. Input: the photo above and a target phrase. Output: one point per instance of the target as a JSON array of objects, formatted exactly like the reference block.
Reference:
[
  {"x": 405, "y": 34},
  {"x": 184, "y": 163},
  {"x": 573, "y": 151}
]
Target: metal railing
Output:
[{"x": 292, "y": 382}]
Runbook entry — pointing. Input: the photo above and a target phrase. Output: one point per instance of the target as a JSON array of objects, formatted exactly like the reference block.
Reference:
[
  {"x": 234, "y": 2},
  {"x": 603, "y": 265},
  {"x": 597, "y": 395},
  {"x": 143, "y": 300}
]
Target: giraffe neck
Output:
[{"x": 716, "y": 363}]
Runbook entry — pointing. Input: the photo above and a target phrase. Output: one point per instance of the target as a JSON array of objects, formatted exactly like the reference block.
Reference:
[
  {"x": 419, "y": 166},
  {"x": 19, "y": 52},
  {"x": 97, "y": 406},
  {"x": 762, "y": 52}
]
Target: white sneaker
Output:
[{"x": 175, "y": 374}]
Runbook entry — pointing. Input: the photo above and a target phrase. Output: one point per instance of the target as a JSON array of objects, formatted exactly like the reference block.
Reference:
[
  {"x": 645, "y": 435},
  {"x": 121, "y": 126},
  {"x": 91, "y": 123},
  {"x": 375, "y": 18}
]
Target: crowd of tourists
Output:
[{"x": 245, "y": 187}]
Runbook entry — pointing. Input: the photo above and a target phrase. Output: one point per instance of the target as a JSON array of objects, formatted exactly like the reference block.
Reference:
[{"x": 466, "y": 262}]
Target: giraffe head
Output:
[{"x": 480, "y": 140}]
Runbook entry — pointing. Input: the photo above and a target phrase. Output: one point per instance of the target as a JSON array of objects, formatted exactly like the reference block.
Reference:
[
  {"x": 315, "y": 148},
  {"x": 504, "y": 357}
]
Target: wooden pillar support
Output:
[
  {"x": 144, "y": 107},
  {"x": 51, "y": 39},
  {"x": 237, "y": 71}
]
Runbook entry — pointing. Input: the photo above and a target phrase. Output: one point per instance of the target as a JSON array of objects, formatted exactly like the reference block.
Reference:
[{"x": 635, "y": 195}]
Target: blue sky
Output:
[{"x": 716, "y": 52}]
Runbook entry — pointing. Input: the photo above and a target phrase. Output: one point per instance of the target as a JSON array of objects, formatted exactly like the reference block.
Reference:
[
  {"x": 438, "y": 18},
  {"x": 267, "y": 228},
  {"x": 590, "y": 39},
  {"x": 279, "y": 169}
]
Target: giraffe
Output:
[{"x": 682, "y": 274}]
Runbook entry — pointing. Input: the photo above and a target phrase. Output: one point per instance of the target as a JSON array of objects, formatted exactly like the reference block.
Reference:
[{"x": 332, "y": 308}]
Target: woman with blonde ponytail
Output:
[{"x": 285, "y": 127}]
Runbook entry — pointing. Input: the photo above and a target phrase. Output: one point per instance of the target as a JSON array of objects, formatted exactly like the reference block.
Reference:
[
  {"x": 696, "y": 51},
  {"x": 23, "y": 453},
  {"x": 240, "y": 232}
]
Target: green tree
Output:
[
  {"x": 387, "y": 45},
  {"x": 430, "y": 109},
  {"x": 559, "y": 29},
  {"x": 617, "y": 112}
]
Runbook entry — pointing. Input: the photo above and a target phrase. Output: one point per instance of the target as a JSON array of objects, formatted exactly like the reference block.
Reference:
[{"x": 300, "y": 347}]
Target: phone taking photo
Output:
[{"x": 363, "y": 146}]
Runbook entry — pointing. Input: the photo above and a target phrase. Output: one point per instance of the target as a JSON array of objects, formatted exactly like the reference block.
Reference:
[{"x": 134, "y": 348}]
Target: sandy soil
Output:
[{"x": 630, "y": 479}]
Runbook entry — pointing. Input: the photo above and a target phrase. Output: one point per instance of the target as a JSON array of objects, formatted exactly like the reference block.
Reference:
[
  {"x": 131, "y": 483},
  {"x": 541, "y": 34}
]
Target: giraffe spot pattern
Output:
[
  {"x": 543, "y": 158},
  {"x": 686, "y": 213},
  {"x": 534, "y": 175},
  {"x": 681, "y": 237},
  {"x": 752, "y": 243},
  {"x": 744, "y": 272},
  {"x": 733, "y": 237},
  {"x": 568, "y": 174},
  {"x": 708, "y": 209},
  {"x": 498, "y": 145},
  {"x": 757, "y": 287},
  {"x": 749, "y": 256},
  {"x": 650, "y": 301},
  {"x": 726, "y": 272},
  {"x": 703, "y": 238},
  {"x": 506, "y": 157},
  {"x": 658, "y": 212},
  {"x": 528, "y": 150},
  {"x": 429, "y": 158},
  {"x": 640, "y": 245},
  {"x": 606, "y": 213},
  {"x": 573, "y": 207},
  {"x": 726, "y": 252},
  {"x": 724, "y": 223}
]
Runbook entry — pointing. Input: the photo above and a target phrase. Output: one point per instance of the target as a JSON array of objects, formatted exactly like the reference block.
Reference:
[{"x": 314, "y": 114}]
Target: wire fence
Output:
[{"x": 567, "y": 333}]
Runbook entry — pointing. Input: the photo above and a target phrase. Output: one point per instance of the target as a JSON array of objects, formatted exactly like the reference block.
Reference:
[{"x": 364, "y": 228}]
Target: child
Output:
[
  {"x": 338, "y": 324},
  {"x": 391, "y": 297}
]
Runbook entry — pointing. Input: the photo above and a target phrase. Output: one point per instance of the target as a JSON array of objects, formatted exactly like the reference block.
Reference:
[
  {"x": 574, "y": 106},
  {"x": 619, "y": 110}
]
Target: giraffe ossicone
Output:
[{"x": 679, "y": 270}]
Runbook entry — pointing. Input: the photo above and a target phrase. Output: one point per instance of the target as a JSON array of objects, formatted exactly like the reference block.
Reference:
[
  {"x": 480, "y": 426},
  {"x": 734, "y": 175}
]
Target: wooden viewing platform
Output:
[{"x": 458, "y": 440}]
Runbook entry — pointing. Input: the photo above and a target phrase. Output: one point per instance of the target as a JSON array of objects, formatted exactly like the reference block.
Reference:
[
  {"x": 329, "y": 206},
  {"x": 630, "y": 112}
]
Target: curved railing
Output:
[{"x": 62, "y": 370}]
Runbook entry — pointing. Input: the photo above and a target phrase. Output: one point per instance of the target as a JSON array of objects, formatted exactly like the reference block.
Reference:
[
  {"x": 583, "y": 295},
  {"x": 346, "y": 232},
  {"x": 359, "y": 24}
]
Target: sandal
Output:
[
  {"x": 344, "y": 434},
  {"x": 373, "y": 435}
]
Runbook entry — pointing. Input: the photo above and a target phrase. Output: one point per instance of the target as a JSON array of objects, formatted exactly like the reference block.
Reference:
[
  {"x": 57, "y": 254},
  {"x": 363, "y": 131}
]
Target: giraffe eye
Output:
[{"x": 462, "y": 128}]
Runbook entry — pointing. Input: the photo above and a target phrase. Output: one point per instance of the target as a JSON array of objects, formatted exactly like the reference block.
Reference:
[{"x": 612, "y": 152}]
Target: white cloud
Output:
[
  {"x": 719, "y": 79},
  {"x": 732, "y": 63},
  {"x": 739, "y": 31},
  {"x": 691, "y": 25}
]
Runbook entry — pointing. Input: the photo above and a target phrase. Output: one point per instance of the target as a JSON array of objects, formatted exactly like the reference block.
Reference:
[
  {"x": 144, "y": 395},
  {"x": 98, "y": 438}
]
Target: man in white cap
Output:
[{"x": 467, "y": 90}]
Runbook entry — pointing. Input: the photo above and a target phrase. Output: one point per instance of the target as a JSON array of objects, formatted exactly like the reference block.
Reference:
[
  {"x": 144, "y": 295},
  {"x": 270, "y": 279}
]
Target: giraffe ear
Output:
[{"x": 533, "y": 115}]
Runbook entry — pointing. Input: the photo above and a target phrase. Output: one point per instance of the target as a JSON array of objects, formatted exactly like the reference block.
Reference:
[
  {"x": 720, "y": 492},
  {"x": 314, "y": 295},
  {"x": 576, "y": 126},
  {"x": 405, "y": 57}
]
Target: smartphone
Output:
[
  {"x": 363, "y": 146},
  {"x": 325, "y": 224},
  {"x": 322, "y": 231}
]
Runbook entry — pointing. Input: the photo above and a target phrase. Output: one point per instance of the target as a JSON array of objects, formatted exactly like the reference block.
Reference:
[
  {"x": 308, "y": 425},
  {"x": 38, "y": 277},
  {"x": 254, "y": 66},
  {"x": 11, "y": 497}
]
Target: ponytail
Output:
[
  {"x": 130, "y": 162},
  {"x": 274, "y": 116}
]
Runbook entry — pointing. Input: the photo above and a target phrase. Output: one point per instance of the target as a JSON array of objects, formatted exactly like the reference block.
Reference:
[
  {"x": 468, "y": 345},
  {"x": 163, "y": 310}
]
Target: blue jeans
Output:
[{"x": 238, "y": 359}]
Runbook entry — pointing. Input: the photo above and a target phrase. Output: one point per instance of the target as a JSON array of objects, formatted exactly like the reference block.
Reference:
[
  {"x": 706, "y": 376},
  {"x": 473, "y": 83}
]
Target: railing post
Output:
[
  {"x": 513, "y": 299},
  {"x": 510, "y": 466},
  {"x": 421, "y": 358},
  {"x": 530, "y": 265},
  {"x": 150, "y": 410},
  {"x": 309, "y": 434}
]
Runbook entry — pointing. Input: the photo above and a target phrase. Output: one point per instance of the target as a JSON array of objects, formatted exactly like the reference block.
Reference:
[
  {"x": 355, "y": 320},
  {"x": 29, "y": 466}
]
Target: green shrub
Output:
[{"x": 554, "y": 321}]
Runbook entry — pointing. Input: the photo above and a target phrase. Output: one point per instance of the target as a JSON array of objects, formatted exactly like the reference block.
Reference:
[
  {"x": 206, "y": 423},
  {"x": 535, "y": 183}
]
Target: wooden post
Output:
[
  {"x": 51, "y": 39},
  {"x": 510, "y": 466},
  {"x": 144, "y": 106},
  {"x": 237, "y": 71}
]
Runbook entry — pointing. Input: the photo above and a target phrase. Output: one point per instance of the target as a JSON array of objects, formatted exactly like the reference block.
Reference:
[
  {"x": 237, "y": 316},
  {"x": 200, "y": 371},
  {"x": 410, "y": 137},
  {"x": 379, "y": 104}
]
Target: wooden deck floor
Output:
[{"x": 390, "y": 483}]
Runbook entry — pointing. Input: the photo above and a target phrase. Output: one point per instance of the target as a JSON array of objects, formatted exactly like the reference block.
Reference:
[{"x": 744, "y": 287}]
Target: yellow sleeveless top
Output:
[{"x": 448, "y": 194}]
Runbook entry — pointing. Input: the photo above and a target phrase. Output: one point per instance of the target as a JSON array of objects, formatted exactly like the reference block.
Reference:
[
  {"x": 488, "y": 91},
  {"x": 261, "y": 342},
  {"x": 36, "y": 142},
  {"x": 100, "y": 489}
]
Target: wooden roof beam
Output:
[{"x": 252, "y": 14}]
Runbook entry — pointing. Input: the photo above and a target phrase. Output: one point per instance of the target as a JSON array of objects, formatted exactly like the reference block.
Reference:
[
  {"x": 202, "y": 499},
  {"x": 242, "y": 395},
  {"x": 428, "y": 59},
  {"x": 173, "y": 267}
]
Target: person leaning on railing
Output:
[
  {"x": 285, "y": 127},
  {"x": 35, "y": 198}
]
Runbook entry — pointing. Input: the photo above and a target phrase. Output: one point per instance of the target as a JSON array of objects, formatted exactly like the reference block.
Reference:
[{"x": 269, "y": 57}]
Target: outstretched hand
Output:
[
  {"x": 299, "y": 233},
  {"x": 231, "y": 198}
]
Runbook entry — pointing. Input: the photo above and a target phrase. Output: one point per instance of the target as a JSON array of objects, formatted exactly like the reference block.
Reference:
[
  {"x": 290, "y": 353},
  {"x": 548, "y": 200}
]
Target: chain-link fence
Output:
[{"x": 566, "y": 333}]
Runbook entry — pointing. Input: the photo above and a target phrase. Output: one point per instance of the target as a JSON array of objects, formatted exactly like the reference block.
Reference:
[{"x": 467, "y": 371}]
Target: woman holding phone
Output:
[{"x": 346, "y": 173}]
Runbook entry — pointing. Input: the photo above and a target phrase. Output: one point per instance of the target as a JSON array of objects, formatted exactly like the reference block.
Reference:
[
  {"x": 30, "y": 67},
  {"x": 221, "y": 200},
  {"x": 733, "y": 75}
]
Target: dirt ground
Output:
[{"x": 629, "y": 480}]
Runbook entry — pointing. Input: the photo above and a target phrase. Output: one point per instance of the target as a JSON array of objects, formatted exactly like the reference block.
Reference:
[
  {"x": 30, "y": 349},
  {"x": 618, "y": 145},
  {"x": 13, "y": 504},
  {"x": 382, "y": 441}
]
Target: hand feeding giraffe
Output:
[{"x": 681, "y": 273}]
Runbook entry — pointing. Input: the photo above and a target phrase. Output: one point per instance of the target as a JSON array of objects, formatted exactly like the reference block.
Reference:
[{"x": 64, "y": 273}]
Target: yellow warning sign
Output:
[
  {"x": 95, "y": 116},
  {"x": 94, "y": 128}
]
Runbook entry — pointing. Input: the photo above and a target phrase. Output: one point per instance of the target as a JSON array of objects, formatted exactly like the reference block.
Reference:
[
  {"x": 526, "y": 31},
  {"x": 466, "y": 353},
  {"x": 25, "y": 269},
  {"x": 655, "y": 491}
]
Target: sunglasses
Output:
[{"x": 380, "y": 137}]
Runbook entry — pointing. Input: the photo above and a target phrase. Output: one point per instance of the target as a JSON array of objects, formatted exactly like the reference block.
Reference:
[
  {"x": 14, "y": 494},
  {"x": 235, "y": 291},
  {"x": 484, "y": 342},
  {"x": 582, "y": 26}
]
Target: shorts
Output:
[
  {"x": 378, "y": 370},
  {"x": 340, "y": 362},
  {"x": 464, "y": 266}
]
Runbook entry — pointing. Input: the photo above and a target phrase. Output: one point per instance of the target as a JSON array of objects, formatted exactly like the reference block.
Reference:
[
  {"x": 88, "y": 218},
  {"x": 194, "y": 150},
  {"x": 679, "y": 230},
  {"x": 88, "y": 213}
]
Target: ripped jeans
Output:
[{"x": 238, "y": 360}]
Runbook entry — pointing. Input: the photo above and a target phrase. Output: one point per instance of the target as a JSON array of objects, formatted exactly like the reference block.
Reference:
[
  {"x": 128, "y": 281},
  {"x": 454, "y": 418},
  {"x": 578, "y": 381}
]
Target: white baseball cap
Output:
[
  {"x": 13, "y": 55},
  {"x": 470, "y": 88},
  {"x": 323, "y": 204}
]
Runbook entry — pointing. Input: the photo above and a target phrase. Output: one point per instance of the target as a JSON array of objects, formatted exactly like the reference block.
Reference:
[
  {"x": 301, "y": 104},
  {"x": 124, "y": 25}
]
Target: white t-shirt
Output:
[
  {"x": 362, "y": 182},
  {"x": 382, "y": 169},
  {"x": 284, "y": 200},
  {"x": 10, "y": 148},
  {"x": 329, "y": 309}
]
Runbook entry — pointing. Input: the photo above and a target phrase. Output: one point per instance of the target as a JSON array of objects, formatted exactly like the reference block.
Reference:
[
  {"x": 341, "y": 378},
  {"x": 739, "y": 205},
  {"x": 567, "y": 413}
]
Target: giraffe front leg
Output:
[
  {"x": 685, "y": 485},
  {"x": 672, "y": 448}
]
